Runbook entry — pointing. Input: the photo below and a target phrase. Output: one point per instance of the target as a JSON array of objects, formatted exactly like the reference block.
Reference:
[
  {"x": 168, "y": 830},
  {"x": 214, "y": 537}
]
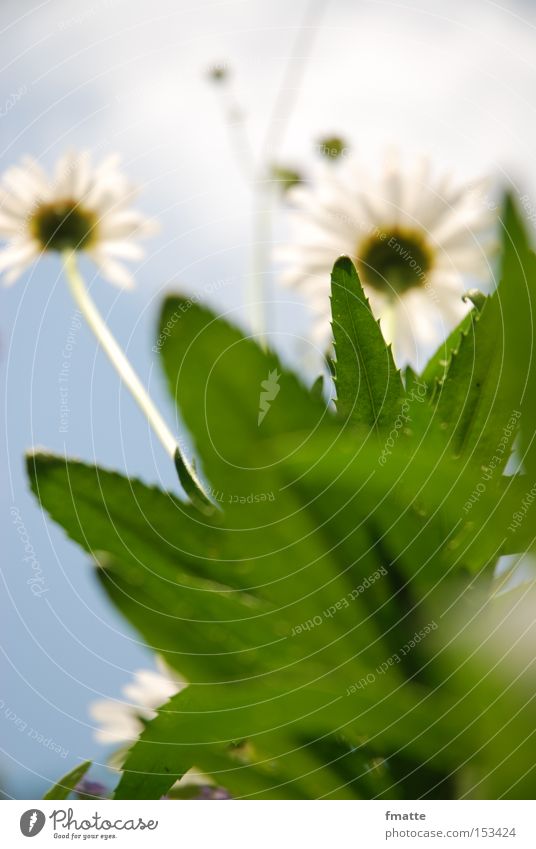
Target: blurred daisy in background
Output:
[
  {"x": 416, "y": 241},
  {"x": 84, "y": 208},
  {"x": 122, "y": 722},
  {"x": 81, "y": 208}
]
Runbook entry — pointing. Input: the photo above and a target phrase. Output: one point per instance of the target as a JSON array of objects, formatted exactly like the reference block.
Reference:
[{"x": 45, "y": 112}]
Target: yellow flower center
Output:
[
  {"x": 393, "y": 261},
  {"x": 63, "y": 225}
]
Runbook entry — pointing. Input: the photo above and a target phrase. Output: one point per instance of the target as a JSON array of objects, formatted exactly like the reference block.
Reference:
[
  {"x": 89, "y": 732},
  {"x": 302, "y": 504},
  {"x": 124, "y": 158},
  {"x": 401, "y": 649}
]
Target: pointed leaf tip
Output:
[
  {"x": 370, "y": 386},
  {"x": 344, "y": 263},
  {"x": 192, "y": 486}
]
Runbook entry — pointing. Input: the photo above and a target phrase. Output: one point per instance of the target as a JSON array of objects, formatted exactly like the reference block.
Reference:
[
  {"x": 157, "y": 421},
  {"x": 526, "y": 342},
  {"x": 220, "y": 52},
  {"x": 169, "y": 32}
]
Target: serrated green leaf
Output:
[
  {"x": 195, "y": 726},
  {"x": 225, "y": 597},
  {"x": 66, "y": 785},
  {"x": 517, "y": 295},
  {"x": 193, "y": 487},
  {"x": 231, "y": 394},
  {"x": 467, "y": 734},
  {"x": 437, "y": 366},
  {"x": 369, "y": 386},
  {"x": 476, "y": 405},
  {"x": 160, "y": 563},
  {"x": 191, "y": 589}
]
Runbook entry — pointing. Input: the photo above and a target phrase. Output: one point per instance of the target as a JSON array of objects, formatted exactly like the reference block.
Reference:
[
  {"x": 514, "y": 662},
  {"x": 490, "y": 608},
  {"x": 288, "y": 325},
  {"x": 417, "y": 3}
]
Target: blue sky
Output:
[{"x": 454, "y": 80}]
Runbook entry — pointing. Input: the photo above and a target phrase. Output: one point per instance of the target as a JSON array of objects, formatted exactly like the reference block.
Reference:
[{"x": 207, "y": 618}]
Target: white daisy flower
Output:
[
  {"x": 415, "y": 240},
  {"x": 81, "y": 208},
  {"x": 123, "y": 722},
  {"x": 84, "y": 208}
]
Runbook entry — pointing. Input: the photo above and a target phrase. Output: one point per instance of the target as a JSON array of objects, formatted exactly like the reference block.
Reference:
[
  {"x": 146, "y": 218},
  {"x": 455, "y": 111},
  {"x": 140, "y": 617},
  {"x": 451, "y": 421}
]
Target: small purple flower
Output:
[
  {"x": 210, "y": 792},
  {"x": 86, "y": 789}
]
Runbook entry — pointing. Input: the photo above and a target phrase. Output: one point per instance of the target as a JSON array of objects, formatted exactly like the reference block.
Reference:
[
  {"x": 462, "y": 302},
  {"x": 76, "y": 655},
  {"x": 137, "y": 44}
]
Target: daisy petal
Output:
[
  {"x": 114, "y": 272},
  {"x": 414, "y": 237},
  {"x": 18, "y": 254},
  {"x": 83, "y": 207}
]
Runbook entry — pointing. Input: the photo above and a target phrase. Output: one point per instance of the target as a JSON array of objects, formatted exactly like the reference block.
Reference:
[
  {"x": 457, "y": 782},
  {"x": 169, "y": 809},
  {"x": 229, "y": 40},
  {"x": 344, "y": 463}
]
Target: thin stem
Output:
[
  {"x": 262, "y": 198},
  {"x": 127, "y": 374},
  {"x": 255, "y": 169},
  {"x": 290, "y": 84},
  {"x": 115, "y": 354},
  {"x": 236, "y": 128},
  {"x": 260, "y": 239}
]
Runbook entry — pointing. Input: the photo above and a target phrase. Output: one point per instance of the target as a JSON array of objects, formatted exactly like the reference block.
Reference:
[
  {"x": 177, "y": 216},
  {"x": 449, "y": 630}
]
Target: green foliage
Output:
[
  {"x": 336, "y": 614},
  {"x": 369, "y": 386},
  {"x": 66, "y": 785},
  {"x": 436, "y": 368},
  {"x": 517, "y": 296},
  {"x": 476, "y": 403}
]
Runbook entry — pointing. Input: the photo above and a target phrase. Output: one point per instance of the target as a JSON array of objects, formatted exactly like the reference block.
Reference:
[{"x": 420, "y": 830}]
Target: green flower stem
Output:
[
  {"x": 127, "y": 374},
  {"x": 115, "y": 354},
  {"x": 259, "y": 260},
  {"x": 256, "y": 170}
]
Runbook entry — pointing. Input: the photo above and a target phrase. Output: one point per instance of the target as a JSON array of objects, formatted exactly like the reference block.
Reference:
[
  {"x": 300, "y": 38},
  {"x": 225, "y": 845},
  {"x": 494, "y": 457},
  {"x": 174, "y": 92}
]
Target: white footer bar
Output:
[{"x": 269, "y": 825}]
